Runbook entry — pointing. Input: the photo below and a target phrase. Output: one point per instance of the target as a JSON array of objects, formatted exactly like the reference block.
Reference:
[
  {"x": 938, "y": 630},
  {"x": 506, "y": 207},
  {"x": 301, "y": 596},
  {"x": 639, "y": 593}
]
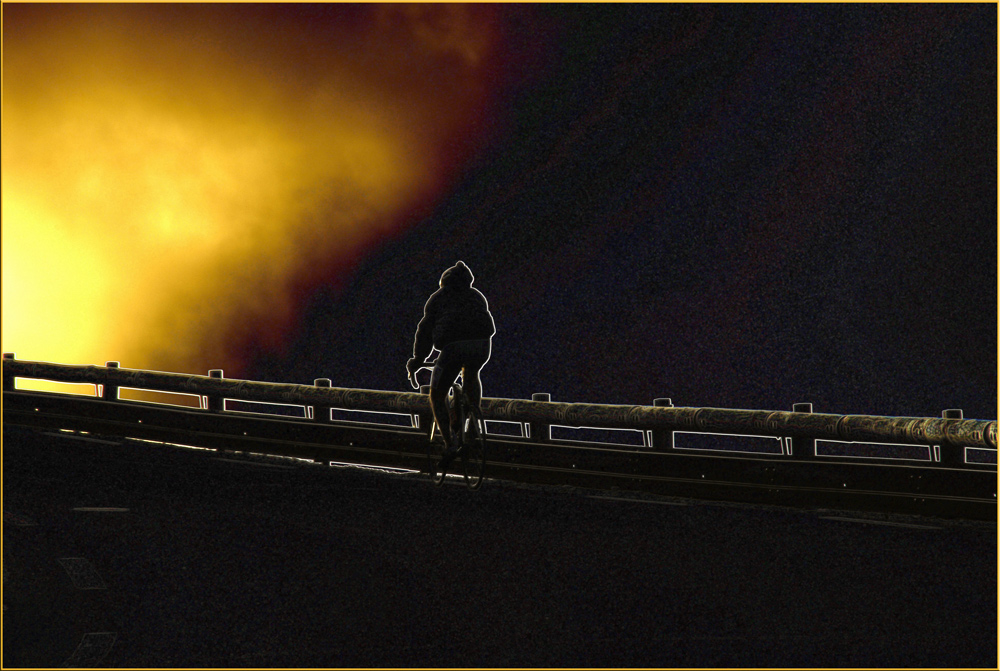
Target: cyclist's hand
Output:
[{"x": 411, "y": 368}]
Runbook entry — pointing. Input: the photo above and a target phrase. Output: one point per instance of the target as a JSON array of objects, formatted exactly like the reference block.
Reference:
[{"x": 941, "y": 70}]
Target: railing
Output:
[{"x": 948, "y": 440}]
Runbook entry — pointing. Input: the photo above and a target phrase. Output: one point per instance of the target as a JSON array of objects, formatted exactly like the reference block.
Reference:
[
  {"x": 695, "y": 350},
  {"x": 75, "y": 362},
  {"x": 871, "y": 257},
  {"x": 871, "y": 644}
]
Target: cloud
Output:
[{"x": 170, "y": 172}]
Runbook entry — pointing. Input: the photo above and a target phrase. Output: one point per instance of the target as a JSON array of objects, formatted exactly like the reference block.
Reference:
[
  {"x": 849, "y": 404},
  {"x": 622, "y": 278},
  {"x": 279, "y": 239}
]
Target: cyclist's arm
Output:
[{"x": 423, "y": 340}]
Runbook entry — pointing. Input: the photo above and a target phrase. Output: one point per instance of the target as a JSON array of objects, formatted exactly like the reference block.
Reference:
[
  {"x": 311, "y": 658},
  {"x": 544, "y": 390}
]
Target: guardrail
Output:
[{"x": 945, "y": 482}]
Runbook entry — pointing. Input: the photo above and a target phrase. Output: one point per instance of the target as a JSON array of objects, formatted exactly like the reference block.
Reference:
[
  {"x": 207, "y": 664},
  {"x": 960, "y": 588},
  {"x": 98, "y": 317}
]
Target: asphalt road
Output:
[{"x": 143, "y": 555}]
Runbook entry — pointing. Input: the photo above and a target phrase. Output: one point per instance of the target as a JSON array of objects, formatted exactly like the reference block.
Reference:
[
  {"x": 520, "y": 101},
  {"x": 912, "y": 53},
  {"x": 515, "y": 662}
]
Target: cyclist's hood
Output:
[{"x": 458, "y": 276}]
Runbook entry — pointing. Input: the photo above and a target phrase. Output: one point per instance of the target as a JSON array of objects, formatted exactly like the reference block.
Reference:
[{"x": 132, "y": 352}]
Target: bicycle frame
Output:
[{"x": 471, "y": 437}]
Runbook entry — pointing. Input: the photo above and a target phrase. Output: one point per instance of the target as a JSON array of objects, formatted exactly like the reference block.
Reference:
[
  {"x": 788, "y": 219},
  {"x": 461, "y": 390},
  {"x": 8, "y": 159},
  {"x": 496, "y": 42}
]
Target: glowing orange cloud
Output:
[{"x": 170, "y": 170}]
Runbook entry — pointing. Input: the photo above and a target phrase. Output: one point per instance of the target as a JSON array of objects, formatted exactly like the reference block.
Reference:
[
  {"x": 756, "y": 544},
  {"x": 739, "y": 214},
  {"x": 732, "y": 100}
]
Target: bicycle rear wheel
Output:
[{"x": 474, "y": 454}]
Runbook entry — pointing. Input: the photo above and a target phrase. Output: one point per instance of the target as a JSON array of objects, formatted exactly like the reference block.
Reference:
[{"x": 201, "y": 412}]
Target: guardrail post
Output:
[
  {"x": 950, "y": 455},
  {"x": 8, "y": 378},
  {"x": 658, "y": 438},
  {"x": 802, "y": 448},
  {"x": 537, "y": 431},
  {"x": 215, "y": 403},
  {"x": 320, "y": 413},
  {"x": 109, "y": 392}
]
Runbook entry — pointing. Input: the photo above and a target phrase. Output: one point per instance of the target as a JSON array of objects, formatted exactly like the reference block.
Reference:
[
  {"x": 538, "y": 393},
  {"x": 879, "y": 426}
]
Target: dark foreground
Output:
[{"x": 203, "y": 559}]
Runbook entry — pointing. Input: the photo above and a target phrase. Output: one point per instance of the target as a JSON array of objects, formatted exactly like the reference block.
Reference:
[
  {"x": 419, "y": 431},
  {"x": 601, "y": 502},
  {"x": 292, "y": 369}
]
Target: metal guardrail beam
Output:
[
  {"x": 923, "y": 487},
  {"x": 958, "y": 433}
]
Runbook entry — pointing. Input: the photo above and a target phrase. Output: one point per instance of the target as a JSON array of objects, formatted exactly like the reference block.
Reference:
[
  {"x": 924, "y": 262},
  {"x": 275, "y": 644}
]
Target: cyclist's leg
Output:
[
  {"x": 476, "y": 359},
  {"x": 445, "y": 372}
]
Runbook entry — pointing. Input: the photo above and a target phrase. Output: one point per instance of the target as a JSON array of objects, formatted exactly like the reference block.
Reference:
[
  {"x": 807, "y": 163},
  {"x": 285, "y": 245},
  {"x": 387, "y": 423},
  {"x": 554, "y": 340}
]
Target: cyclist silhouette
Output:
[{"x": 456, "y": 321}]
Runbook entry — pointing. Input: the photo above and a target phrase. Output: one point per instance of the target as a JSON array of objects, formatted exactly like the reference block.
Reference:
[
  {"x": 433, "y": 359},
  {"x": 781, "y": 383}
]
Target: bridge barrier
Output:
[{"x": 946, "y": 474}]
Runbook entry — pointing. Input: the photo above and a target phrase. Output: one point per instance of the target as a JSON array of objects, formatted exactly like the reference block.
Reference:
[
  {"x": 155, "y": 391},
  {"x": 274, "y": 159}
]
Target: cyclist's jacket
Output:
[{"x": 454, "y": 312}]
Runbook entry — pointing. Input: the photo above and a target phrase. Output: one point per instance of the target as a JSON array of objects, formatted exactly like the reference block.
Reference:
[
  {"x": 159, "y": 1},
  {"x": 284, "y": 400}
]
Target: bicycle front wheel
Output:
[
  {"x": 474, "y": 454},
  {"x": 433, "y": 453}
]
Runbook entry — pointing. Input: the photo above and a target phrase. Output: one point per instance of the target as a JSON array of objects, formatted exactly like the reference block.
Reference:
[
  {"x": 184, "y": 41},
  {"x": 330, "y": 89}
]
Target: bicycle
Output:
[{"x": 471, "y": 448}]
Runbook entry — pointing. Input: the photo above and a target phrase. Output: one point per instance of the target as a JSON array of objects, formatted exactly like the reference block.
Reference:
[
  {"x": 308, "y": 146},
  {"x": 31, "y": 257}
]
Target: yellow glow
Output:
[
  {"x": 70, "y": 388},
  {"x": 161, "y": 193},
  {"x": 53, "y": 287}
]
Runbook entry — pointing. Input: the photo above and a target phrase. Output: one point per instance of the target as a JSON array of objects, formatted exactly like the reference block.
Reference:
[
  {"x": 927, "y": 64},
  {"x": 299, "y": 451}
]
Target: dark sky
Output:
[
  {"x": 733, "y": 206},
  {"x": 742, "y": 206}
]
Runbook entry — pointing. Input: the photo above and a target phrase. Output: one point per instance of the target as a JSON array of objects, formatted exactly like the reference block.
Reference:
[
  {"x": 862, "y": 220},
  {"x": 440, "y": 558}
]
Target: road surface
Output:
[{"x": 140, "y": 555}]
